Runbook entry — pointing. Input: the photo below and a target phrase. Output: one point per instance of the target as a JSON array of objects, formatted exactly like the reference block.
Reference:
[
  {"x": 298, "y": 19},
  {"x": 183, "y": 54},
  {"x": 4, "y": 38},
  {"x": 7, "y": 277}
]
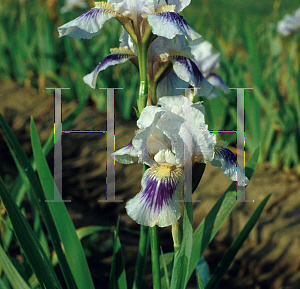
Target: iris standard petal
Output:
[
  {"x": 88, "y": 24},
  {"x": 188, "y": 71},
  {"x": 133, "y": 8},
  {"x": 170, "y": 24},
  {"x": 226, "y": 159},
  {"x": 110, "y": 60},
  {"x": 157, "y": 202},
  {"x": 126, "y": 155}
]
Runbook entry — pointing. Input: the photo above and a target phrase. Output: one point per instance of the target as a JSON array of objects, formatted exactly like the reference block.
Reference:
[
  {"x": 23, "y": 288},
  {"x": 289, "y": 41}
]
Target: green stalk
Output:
[
  {"x": 155, "y": 257},
  {"x": 142, "y": 257},
  {"x": 142, "y": 49}
]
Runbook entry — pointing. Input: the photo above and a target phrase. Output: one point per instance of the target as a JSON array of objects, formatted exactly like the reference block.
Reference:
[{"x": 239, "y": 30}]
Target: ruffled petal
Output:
[
  {"x": 170, "y": 24},
  {"x": 88, "y": 24},
  {"x": 110, "y": 60},
  {"x": 126, "y": 155},
  {"x": 157, "y": 202},
  {"x": 173, "y": 126},
  {"x": 188, "y": 71},
  {"x": 147, "y": 122},
  {"x": 226, "y": 159}
]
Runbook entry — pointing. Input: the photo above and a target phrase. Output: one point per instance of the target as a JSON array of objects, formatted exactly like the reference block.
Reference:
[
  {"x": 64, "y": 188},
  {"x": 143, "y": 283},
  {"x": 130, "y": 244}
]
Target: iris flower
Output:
[
  {"x": 165, "y": 56},
  {"x": 289, "y": 24},
  {"x": 137, "y": 16},
  {"x": 160, "y": 143},
  {"x": 188, "y": 62}
]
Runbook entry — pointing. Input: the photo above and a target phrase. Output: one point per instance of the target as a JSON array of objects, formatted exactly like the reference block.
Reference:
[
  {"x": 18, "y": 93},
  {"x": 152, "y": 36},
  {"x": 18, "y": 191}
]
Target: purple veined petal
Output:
[
  {"x": 110, "y": 60},
  {"x": 88, "y": 24},
  {"x": 157, "y": 202},
  {"x": 188, "y": 71},
  {"x": 169, "y": 84},
  {"x": 226, "y": 159},
  {"x": 126, "y": 155},
  {"x": 217, "y": 81},
  {"x": 170, "y": 24}
]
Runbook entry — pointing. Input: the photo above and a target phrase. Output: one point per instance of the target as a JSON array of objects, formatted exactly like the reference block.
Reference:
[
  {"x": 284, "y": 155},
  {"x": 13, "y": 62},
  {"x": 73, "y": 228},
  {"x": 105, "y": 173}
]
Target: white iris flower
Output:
[
  {"x": 162, "y": 16},
  {"x": 289, "y": 24},
  {"x": 163, "y": 134}
]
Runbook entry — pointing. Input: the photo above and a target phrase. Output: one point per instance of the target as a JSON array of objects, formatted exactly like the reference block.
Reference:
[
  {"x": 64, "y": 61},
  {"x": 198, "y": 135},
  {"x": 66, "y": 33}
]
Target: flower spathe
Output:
[
  {"x": 160, "y": 144},
  {"x": 137, "y": 17}
]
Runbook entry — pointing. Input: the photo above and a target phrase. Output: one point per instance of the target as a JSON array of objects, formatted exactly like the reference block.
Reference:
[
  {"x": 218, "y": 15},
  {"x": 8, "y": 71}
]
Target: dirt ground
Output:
[{"x": 268, "y": 259}]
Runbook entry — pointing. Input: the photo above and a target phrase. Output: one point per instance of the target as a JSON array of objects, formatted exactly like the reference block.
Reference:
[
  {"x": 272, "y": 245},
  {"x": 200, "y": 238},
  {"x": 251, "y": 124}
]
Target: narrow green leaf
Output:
[
  {"x": 166, "y": 267},
  {"x": 81, "y": 233},
  {"x": 29, "y": 243},
  {"x": 141, "y": 263},
  {"x": 216, "y": 216},
  {"x": 235, "y": 246},
  {"x": 15, "y": 279},
  {"x": 183, "y": 254},
  {"x": 40, "y": 199},
  {"x": 117, "y": 278},
  {"x": 73, "y": 248}
]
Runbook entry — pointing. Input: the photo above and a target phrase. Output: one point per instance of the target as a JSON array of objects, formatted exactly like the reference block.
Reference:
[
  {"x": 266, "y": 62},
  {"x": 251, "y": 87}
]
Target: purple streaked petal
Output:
[
  {"x": 157, "y": 202},
  {"x": 88, "y": 24},
  {"x": 217, "y": 81},
  {"x": 110, "y": 60},
  {"x": 170, "y": 24},
  {"x": 126, "y": 155},
  {"x": 188, "y": 71},
  {"x": 226, "y": 159}
]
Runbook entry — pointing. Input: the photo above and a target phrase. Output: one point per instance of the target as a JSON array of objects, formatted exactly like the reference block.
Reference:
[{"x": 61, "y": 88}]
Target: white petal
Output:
[
  {"x": 88, "y": 24},
  {"x": 188, "y": 71},
  {"x": 169, "y": 84},
  {"x": 126, "y": 155},
  {"x": 226, "y": 159},
  {"x": 170, "y": 24},
  {"x": 110, "y": 60},
  {"x": 133, "y": 8},
  {"x": 148, "y": 115},
  {"x": 157, "y": 202},
  {"x": 127, "y": 42}
]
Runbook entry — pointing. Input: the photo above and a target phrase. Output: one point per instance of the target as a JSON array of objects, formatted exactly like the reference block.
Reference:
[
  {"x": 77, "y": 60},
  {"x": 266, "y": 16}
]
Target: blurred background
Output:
[{"x": 253, "y": 55}]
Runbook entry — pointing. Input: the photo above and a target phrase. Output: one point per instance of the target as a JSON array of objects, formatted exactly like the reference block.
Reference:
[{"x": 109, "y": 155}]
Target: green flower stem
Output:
[
  {"x": 142, "y": 49},
  {"x": 143, "y": 90},
  {"x": 142, "y": 257},
  {"x": 155, "y": 257}
]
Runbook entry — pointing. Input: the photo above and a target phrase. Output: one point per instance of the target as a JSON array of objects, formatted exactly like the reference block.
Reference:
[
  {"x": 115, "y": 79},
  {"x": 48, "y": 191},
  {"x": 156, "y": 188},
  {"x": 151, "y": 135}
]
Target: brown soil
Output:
[{"x": 268, "y": 259}]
